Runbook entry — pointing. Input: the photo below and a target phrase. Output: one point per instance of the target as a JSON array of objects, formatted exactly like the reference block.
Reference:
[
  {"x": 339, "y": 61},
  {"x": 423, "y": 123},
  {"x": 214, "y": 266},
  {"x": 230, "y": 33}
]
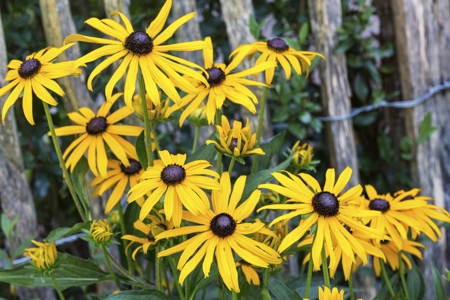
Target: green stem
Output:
[
  {"x": 234, "y": 296},
  {"x": 128, "y": 275},
  {"x": 123, "y": 228},
  {"x": 266, "y": 278},
  {"x": 62, "y": 164},
  {"x": 350, "y": 286},
  {"x": 308, "y": 278},
  {"x": 60, "y": 294},
  {"x": 108, "y": 263},
  {"x": 326, "y": 277},
  {"x": 166, "y": 277},
  {"x": 385, "y": 278},
  {"x": 262, "y": 108},
  {"x": 158, "y": 269},
  {"x": 148, "y": 138},
  {"x": 402, "y": 276},
  {"x": 219, "y": 154},
  {"x": 196, "y": 132},
  {"x": 153, "y": 130},
  {"x": 173, "y": 267},
  {"x": 230, "y": 167},
  {"x": 220, "y": 288}
]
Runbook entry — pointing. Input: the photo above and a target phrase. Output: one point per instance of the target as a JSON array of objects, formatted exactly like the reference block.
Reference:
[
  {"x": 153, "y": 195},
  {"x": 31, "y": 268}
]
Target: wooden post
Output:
[
  {"x": 423, "y": 40},
  {"x": 58, "y": 23},
  {"x": 15, "y": 194}
]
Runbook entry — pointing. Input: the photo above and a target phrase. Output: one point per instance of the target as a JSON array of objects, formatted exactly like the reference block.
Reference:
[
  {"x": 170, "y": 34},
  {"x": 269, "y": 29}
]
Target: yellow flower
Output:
[
  {"x": 324, "y": 210},
  {"x": 144, "y": 51},
  {"x": 236, "y": 142},
  {"x": 121, "y": 177},
  {"x": 34, "y": 75},
  {"x": 270, "y": 197},
  {"x": 179, "y": 184},
  {"x": 101, "y": 231},
  {"x": 156, "y": 113},
  {"x": 393, "y": 220},
  {"x": 44, "y": 256},
  {"x": 277, "y": 50},
  {"x": 334, "y": 294},
  {"x": 250, "y": 274},
  {"x": 222, "y": 85},
  {"x": 158, "y": 225},
  {"x": 219, "y": 233},
  {"x": 98, "y": 129},
  {"x": 302, "y": 157},
  {"x": 272, "y": 238},
  {"x": 198, "y": 116}
]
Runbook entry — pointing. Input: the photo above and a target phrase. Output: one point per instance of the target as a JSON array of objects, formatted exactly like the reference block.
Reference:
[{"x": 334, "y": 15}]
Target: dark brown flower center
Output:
[
  {"x": 29, "y": 68},
  {"x": 348, "y": 229},
  {"x": 134, "y": 167},
  {"x": 234, "y": 144},
  {"x": 173, "y": 174},
  {"x": 380, "y": 205},
  {"x": 96, "y": 125},
  {"x": 325, "y": 204},
  {"x": 150, "y": 237},
  {"x": 216, "y": 76},
  {"x": 223, "y": 225},
  {"x": 139, "y": 43},
  {"x": 278, "y": 45}
]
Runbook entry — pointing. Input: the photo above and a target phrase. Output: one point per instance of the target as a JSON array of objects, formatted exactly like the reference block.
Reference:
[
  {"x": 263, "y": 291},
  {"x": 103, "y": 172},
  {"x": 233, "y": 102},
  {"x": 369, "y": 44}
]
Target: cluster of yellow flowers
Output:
[{"x": 340, "y": 224}]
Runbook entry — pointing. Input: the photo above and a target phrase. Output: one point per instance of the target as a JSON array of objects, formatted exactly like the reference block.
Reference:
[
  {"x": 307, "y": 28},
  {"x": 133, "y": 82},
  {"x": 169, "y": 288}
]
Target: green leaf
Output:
[
  {"x": 6, "y": 262},
  {"x": 78, "y": 180},
  {"x": 385, "y": 147},
  {"x": 373, "y": 71},
  {"x": 199, "y": 280},
  {"x": 25, "y": 244},
  {"x": 270, "y": 149},
  {"x": 383, "y": 293},
  {"x": 253, "y": 26},
  {"x": 305, "y": 117},
  {"x": 361, "y": 88},
  {"x": 263, "y": 176},
  {"x": 415, "y": 283},
  {"x": 70, "y": 271},
  {"x": 426, "y": 128},
  {"x": 138, "y": 295},
  {"x": 65, "y": 231},
  {"x": 8, "y": 226},
  {"x": 280, "y": 290},
  {"x": 303, "y": 33},
  {"x": 344, "y": 45},
  {"x": 297, "y": 130},
  {"x": 142, "y": 150},
  {"x": 438, "y": 286},
  {"x": 205, "y": 152}
]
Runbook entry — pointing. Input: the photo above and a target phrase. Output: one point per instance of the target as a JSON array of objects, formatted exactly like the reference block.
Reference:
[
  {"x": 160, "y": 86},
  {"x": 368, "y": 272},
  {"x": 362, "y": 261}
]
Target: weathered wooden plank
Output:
[
  {"x": 423, "y": 40},
  {"x": 326, "y": 17},
  {"x": 58, "y": 23},
  {"x": 15, "y": 194}
]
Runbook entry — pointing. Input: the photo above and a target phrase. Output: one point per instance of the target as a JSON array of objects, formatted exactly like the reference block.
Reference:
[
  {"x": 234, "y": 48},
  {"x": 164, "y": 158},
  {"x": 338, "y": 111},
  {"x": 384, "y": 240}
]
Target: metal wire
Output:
[{"x": 383, "y": 103}]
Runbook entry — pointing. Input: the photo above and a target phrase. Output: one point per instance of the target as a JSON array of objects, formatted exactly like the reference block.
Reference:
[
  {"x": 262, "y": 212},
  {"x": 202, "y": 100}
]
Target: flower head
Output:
[
  {"x": 119, "y": 177},
  {"x": 156, "y": 113},
  {"x": 142, "y": 50},
  {"x": 35, "y": 75},
  {"x": 101, "y": 231},
  {"x": 222, "y": 85},
  {"x": 44, "y": 256},
  {"x": 178, "y": 182},
  {"x": 324, "y": 210},
  {"x": 278, "y": 50},
  {"x": 219, "y": 233},
  {"x": 250, "y": 273},
  {"x": 302, "y": 158},
  {"x": 334, "y": 294},
  {"x": 237, "y": 141},
  {"x": 96, "y": 130}
]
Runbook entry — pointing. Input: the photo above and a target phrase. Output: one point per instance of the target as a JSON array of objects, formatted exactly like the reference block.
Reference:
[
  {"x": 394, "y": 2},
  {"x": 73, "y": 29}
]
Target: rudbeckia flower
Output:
[
  {"x": 179, "y": 183},
  {"x": 278, "y": 50},
  {"x": 144, "y": 51},
  {"x": 96, "y": 130},
  {"x": 235, "y": 142},
  {"x": 44, "y": 256},
  {"x": 393, "y": 220},
  {"x": 220, "y": 233},
  {"x": 120, "y": 177},
  {"x": 222, "y": 85},
  {"x": 156, "y": 113},
  {"x": 327, "y": 294},
  {"x": 325, "y": 210},
  {"x": 101, "y": 231},
  {"x": 250, "y": 274},
  {"x": 35, "y": 75}
]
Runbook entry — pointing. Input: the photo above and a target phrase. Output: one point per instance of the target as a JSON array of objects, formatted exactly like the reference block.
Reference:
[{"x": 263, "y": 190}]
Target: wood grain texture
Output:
[
  {"x": 423, "y": 43},
  {"x": 326, "y": 17},
  {"x": 15, "y": 194},
  {"x": 58, "y": 23}
]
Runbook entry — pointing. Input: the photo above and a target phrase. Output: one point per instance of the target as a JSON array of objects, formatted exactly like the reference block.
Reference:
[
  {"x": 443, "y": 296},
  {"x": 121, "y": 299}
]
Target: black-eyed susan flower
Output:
[
  {"x": 44, "y": 256},
  {"x": 120, "y": 177},
  {"x": 35, "y": 75},
  {"x": 302, "y": 157},
  {"x": 424, "y": 214},
  {"x": 222, "y": 85},
  {"x": 220, "y": 233},
  {"x": 333, "y": 294},
  {"x": 393, "y": 220},
  {"x": 272, "y": 238},
  {"x": 101, "y": 231},
  {"x": 158, "y": 225},
  {"x": 391, "y": 250},
  {"x": 250, "y": 273},
  {"x": 278, "y": 50},
  {"x": 156, "y": 113},
  {"x": 178, "y": 183},
  {"x": 236, "y": 142},
  {"x": 144, "y": 51},
  {"x": 96, "y": 130},
  {"x": 324, "y": 210}
]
